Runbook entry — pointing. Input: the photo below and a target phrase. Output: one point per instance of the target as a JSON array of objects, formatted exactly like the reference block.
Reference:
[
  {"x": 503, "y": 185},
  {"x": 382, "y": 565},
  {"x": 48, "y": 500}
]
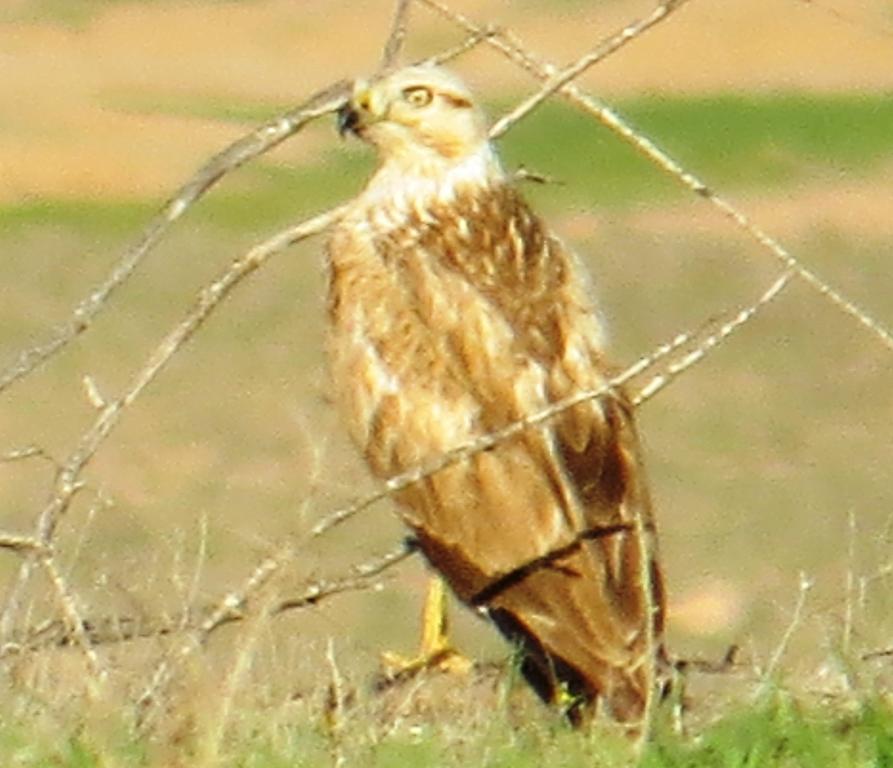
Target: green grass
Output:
[
  {"x": 68, "y": 14},
  {"x": 89, "y": 216},
  {"x": 778, "y": 733},
  {"x": 265, "y": 196},
  {"x": 732, "y": 141},
  {"x": 784, "y": 734}
]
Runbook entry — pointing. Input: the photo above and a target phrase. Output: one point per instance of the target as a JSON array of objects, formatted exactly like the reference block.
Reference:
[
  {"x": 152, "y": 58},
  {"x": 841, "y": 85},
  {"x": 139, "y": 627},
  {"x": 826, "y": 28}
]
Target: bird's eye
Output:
[{"x": 418, "y": 96}]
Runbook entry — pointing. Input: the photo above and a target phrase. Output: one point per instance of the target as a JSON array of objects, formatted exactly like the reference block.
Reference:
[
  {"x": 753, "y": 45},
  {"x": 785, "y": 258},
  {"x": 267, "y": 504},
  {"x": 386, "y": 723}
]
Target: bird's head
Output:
[{"x": 415, "y": 114}]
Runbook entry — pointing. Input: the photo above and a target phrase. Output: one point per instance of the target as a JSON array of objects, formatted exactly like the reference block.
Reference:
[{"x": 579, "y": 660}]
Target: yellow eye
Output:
[{"x": 418, "y": 95}]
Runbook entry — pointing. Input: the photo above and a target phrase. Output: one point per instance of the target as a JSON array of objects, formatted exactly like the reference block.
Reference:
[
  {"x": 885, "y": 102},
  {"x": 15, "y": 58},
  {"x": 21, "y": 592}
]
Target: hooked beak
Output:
[
  {"x": 361, "y": 109},
  {"x": 348, "y": 119}
]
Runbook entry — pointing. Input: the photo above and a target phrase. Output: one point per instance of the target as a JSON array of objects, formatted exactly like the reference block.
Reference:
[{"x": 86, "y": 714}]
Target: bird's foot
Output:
[
  {"x": 436, "y": 652},
  {"x": 396, "y": 667}
]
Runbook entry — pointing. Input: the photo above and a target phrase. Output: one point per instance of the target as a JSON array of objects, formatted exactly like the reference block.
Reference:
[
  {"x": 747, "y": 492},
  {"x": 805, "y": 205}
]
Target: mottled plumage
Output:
[{"x": 454, "y": 312}]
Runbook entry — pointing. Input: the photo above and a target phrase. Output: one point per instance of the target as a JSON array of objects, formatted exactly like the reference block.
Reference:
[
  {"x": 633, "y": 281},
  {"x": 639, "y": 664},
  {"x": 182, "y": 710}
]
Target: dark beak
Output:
[{"x": 348, "y": 119}]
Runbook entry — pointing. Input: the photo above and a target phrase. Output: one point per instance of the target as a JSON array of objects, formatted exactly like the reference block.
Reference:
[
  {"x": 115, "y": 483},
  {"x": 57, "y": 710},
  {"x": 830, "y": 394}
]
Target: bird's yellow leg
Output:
[{"x": 436, "y": 651}]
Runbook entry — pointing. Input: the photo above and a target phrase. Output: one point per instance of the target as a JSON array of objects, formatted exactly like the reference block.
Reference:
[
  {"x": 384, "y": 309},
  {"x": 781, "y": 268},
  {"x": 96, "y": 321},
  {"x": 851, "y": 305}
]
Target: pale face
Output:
[{"x": 416, "y": 113}]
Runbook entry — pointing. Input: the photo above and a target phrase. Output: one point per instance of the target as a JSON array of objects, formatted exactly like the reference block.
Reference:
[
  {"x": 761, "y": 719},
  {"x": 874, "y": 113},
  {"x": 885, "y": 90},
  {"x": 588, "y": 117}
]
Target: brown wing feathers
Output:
[{"x": 466, "y": 303}]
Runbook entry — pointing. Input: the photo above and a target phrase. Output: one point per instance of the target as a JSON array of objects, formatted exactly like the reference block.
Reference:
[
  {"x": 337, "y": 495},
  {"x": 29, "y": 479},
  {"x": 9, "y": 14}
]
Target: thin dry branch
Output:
[
  {"x": 68, "y": 477},
  {"x": 559, "y": 79},
  {"x": 884, "y": 572},
  {"x": 397, "y": 35},
  {"x": 469, "y": 43},
  {"x": 236, "y": 154},
  {"x": 805, "y": 587},
  {"x": 21, "y": 545},
  {"x": 74, "y": 621},
  {"x": 508, "y": 45},
  {"x": 883, "y": 653},
  {"x": 361, "y": 577},
  {"x": 221, "y": 710},
  {"x": 713, "y": 340},
  {"x": 26, "y": 452}
]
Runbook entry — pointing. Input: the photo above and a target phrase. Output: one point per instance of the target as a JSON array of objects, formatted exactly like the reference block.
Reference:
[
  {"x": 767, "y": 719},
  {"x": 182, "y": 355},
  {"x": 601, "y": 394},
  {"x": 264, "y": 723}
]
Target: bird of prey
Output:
[{"x": 454, "y": 312}]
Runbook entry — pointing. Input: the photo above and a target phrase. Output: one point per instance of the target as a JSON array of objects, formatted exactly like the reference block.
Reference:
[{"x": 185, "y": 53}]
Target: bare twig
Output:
[
  {"x": 882, "y": 573},
  {"x": 22, "y": 545},
  {"x": 469, "y": 43},
  {"x": 27, "y": 452},
  {"x": 236, "y": 154},
  {"x": 854, "y": 596},
  {"x": 882, "y": 653},
  {"x": 229, "y": 606},
  {"x": 68, "y": 477},
  {"x": 41, "y": 552},
  {"x": 222, "y": 710},
  {"x": 397, "y": 35},
  {"x": 92, "y": 392},
  {"x": 508, "y": 46},
  {"x": 678, "y": 367},
  {"x": 769, "y": 673},
  {"x": 362, "y": 576},
  {"x": 73, "y": 619},
  {"x": 558, "y": 79}
]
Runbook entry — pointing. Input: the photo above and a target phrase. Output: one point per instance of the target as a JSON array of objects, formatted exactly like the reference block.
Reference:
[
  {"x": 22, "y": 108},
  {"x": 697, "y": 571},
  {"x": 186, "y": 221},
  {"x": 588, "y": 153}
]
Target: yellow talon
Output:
[{"x": 436, "y": 651}]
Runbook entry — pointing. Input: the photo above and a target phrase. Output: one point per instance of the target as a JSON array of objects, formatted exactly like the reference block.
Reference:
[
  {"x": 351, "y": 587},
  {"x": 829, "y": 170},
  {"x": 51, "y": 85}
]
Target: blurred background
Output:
[{"x": 771, "y": 459}]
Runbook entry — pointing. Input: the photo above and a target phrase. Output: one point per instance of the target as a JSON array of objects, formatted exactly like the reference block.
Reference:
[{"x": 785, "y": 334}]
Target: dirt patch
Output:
[{"x": 861, "y": 207}]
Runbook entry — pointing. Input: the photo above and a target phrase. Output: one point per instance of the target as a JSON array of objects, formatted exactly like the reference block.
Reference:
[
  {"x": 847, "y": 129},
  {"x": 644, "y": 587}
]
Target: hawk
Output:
[{"x": 454, "y": 312}]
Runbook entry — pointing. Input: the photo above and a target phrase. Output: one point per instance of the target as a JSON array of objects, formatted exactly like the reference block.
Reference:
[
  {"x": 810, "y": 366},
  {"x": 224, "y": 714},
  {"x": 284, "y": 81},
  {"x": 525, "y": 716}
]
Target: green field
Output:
[
  {"x": 769, "y": 460},
  {"x": 775, "y": 734},
  {"x": 737, "y": 142}
]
